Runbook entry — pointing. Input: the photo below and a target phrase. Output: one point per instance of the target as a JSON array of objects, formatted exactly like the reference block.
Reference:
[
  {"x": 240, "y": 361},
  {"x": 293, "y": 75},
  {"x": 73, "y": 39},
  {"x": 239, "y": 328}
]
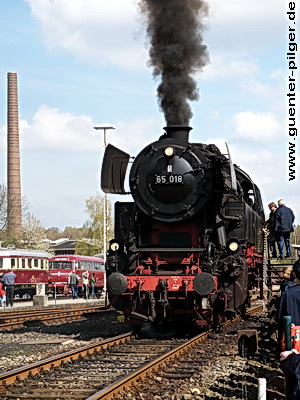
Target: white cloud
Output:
[
  {"x": 257, "y": 126},
  {"x": 235, "y": 10},
  {"x": 239, "y": 25},
  {"x": 105, "y": 32},
  {"x": 228, "y": 65},
  {"x": 101, "y": 33},
  {"x": 260, "y": 89},
  {"x": 132, "y": 136},
  {"x": 53, "y": 129}
]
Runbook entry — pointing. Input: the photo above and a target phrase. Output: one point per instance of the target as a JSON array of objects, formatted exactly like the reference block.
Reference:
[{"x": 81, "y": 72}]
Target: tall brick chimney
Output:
[{"x": 14, "y": 204}]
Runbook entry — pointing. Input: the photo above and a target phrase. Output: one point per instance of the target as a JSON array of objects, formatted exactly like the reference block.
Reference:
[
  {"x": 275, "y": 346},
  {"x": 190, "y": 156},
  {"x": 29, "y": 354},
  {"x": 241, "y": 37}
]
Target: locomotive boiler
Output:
[{"x": 190, "y": 243}]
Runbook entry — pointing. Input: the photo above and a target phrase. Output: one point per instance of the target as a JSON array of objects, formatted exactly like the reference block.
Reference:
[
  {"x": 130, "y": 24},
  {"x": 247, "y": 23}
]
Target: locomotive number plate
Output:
[{"x": 175, "y": 179}]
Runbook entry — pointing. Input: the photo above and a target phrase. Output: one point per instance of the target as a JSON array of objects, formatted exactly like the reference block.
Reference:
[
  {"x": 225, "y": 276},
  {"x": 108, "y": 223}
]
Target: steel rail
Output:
[
  {"x": 4, "y": 315},
  {"x": 112, "y": 391},
  {"x": 123, "y": 383},
  {"x": 21, "y": 373},
  {"x": 17, "y": 321}
]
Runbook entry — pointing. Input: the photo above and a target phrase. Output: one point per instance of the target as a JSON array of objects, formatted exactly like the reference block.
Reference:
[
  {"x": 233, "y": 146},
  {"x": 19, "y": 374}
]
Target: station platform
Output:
[{"x": 57, "y": 303}]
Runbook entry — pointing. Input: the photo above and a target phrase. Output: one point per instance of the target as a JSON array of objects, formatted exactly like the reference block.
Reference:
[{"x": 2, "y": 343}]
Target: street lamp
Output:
[{"x": 104, "y": 129}]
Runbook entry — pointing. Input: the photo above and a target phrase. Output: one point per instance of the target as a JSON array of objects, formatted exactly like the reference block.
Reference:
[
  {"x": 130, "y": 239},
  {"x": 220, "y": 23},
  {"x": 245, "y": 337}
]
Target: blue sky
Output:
[{"x": 82, "y": 63}]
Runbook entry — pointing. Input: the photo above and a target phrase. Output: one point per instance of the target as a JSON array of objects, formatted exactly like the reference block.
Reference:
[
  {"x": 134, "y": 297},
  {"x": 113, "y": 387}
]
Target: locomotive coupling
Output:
[{"x": 116, "y": 283}]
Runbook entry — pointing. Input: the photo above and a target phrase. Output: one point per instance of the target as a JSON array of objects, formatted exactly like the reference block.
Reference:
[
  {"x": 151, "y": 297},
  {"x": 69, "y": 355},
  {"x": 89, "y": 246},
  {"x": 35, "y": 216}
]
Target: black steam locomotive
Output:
[{"x": 190, "y": 244}]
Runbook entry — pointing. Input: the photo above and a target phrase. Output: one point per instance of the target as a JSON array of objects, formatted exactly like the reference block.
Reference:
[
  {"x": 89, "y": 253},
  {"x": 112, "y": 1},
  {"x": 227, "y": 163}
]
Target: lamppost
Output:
[{"x": 104, "y": 129}]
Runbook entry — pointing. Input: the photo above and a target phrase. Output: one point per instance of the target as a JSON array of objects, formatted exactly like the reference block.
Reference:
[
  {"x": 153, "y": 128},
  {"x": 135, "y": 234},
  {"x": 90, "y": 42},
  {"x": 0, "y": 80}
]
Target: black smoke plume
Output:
[{"x": 177, "y": 52}]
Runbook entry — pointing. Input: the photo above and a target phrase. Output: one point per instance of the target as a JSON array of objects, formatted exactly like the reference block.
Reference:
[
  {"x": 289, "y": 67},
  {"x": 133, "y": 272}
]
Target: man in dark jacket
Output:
[
  {"x": 290, "y": 299},
  {"x": 73, "y": 282},
  {"x": 290, "y": 364},
  {"x": 271, "y": 228},
  {"x": 284, "y": 219},
  {"x": 9, "y": 282},
  {"x": 290, "y": 305}
]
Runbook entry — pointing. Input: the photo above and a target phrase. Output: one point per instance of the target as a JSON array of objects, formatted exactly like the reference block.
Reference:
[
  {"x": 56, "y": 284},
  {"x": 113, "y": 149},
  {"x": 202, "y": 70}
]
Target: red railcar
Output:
[
  {"x": 30, "y": 266},
  {"x": 61, "y": 267}
]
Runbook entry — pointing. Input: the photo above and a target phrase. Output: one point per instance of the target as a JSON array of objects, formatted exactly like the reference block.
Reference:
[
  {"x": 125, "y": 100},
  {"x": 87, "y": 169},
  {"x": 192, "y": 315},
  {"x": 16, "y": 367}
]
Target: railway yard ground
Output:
[{"x": 213, "y": 369}]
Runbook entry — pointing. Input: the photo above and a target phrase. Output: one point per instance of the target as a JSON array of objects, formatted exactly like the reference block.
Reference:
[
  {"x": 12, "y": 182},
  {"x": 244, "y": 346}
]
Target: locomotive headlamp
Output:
[
  {"x": 114, "y": 246},
  {"x": 169, "y": 151},
  {"x": 233, "y": 246}
]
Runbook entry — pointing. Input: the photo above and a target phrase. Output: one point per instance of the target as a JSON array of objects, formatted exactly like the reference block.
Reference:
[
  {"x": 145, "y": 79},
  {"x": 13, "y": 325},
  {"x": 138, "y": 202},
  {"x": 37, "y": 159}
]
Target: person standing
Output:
[
  {"x": 92, "y": 285},
  {"x": 2, "y": 296},
  {"x": 290, "y": 365},
  {"x": 284, "y": 219},
  {"x": 290, "y": 299},
  {"x": 85, "y": 283},
  {"x": 288, "y": 279},
  {"x": 73, "y": 282},
  {"x": 289, "y": 303},
  {"x": 9, "y": 282},
  {"x": 271, "y": 228}
]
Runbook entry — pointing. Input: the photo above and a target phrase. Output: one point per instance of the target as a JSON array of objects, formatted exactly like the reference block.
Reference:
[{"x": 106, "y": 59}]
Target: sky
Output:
[{"x": 84, "y": 63}]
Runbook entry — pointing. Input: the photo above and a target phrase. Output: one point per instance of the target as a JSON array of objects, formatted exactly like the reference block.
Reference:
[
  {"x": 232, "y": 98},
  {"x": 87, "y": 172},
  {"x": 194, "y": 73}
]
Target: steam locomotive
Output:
[{"x": 190, "y": 243}]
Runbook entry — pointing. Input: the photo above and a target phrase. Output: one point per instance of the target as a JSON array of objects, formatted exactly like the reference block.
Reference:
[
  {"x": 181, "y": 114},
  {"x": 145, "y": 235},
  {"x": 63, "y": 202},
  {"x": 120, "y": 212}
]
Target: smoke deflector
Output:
[{"x": 113, "y": 171}]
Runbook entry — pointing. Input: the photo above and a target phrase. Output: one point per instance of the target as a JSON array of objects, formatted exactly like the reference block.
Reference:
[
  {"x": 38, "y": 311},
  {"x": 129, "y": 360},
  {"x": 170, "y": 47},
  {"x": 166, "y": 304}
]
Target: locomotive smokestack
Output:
[
  {"x": 177, "y": 52},
  {"x": 14, "y": 208},
  {"x": 178, "y": 132}
]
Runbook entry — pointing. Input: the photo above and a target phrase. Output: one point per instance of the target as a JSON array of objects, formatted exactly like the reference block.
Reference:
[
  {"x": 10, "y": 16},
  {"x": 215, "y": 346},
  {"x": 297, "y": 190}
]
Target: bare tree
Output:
[
  {"x": 3, "y": 209},
  {"x": 32, "y": 232}
]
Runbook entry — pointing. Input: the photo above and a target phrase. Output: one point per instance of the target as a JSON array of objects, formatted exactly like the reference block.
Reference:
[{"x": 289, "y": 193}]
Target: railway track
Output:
[
  {"x": 18, "y": 319},
  {"x": 103, "y": 370}
]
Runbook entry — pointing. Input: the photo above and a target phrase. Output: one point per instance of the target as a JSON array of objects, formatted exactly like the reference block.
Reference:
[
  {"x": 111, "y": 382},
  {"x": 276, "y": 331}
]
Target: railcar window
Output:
[
  {"x": 89, "y": 265},
  {"x": 60, "y": 265},
  {"x": 83, "y": 265},
  {"x": 36, "y": 263},
  {"x": 1, "y": 262},
  {"x": 99, "y": 266},
  {"x": 29, "y": 262},
  {"x": 23, "y": 263}
]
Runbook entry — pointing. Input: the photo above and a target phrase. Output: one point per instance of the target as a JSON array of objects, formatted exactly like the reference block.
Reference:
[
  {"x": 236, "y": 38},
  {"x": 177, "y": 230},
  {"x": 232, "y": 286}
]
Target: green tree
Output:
[
  {"x": 74, "y": 233},
  {"x": 86, "y": 247},
  {"x": 94, "y": 206},
  {"x": 53, "y": 233}
]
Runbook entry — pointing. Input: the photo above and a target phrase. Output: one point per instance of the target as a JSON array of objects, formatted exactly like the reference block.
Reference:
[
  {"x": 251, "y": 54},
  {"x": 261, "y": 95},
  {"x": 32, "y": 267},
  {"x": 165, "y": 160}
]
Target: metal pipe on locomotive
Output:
[{"x": 190, "y": 243}]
